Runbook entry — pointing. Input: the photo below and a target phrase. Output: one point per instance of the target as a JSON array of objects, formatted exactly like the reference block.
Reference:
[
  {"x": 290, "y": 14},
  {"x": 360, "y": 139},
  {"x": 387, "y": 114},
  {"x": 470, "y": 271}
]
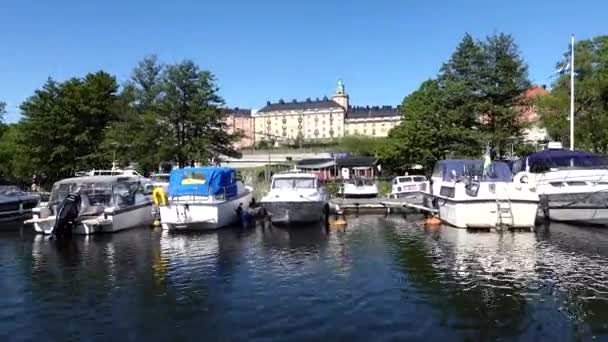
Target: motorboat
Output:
[
  {"x": 16, "y": 205},
  {"x": 572, "y": 185},
  {"x": 409, "y": 186},
  {"x": 295, "y": 197},
  {"x": 94, "y": 204},
  {"x": 360, "y": 188},
  {"x": 114, "y": 171},
  {"x": 473, "y": 194},
  {"x": 201, "y": 198}
]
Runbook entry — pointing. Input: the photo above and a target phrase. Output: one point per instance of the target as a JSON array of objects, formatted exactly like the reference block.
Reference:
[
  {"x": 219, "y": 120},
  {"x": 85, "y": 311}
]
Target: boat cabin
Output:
[
  {"x": 458, "y": 169},
  {"x": 100, "y": 192},
  {"x": 409, "y": 183},
  {"x": 293, "y": 180}
]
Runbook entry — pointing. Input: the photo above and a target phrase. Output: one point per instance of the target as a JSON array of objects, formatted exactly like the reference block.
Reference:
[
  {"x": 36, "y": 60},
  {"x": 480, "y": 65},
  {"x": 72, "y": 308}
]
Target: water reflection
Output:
[
  {"x": 511, "y": 278},
  {"x": 380, "y": 278}
]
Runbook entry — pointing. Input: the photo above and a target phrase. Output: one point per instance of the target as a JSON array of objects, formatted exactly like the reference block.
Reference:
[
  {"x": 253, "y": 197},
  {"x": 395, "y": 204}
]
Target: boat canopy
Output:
[
  {"x": 450, "y": 170},
  {"x": 543, "y": 161},
  {"x": 203, "y": 181}
]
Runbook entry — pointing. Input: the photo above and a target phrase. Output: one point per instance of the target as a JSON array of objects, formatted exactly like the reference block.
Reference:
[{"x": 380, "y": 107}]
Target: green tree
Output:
[
  {"x": 190, "y": 110},
  {"x": 2, "y": 113},
  {"x": 428, "y": 131},
  {"x": 15, "y": 167},
  {"x": 63, "y": 124},
  {"x": 137, "y": 135},
  {"x": 591, "y": 98},
  {"x": 503, "y": 83},
  {"x": 170, "y": 113}
]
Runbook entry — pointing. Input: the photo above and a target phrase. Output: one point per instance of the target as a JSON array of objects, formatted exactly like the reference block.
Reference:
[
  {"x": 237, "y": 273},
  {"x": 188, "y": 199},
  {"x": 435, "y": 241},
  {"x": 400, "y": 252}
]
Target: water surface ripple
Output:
[{"x": 382, "y": 278}]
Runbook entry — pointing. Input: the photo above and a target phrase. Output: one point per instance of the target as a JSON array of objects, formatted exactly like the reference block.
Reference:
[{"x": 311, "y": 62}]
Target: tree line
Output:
[
  {"x": 163, "y": 113},
  {"x": 476, "y": 99}
]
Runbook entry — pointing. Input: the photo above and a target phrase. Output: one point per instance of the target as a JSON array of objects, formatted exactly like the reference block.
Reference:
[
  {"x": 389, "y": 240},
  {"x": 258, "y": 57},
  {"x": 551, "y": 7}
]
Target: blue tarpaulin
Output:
[
  {"x": 559, "y": 158},
  {"x": 203, "y": 181}
]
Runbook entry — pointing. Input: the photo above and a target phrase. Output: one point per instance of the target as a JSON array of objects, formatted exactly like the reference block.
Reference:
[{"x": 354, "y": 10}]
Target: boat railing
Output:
[
  {"x": 222, "y": 195},
  {"x": 546, "y": 179}
]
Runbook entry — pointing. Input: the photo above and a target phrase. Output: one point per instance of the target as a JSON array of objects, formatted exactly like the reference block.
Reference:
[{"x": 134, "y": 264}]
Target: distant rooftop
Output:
[
  {"x": 299, "y": 105},
  {"x": 239, "y": 112},
  {"x": 360, "y": 112}
]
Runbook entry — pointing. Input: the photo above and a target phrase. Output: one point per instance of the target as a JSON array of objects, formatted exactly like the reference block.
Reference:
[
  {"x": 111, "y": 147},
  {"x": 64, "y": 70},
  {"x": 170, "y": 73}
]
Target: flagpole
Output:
[{"x": 572, "y": 94}]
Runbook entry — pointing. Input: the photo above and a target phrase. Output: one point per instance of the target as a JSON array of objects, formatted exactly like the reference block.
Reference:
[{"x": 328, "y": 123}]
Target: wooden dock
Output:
[{"x": 378, "y": 205}]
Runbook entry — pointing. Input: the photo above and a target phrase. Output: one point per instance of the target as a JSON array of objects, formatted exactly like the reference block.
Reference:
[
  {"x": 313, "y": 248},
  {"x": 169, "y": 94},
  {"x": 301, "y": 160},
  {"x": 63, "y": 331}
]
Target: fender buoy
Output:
[
  {"x": 159, "y": 196},
  {"x": 432, "y": 221},
  {"x": 520, "y": 179}
]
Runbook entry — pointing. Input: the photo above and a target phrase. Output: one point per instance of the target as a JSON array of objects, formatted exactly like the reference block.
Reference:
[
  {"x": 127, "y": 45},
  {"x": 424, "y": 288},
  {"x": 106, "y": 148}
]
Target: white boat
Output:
[
  {"x": 102, "y": 204},
  {"x": 467, "y": 195},
  {"x": 572, "y": 185},
  {"x": 409, "y": 186},
  {"x": 202, "y": 198},
  {"x": 360, "y": 188},
  {"x": 114, "y": 171},
  {"x": 296, "y": 197},
  {"x": 16, "y": 205}
]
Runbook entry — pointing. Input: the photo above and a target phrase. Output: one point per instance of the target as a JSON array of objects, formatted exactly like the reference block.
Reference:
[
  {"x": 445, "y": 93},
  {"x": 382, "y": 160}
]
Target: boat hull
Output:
[
  {"x": 121, "y": 219},
  {"x": 585, "y": 208},
  {"x": 202, "y": 215},
  {"x": 484, "y": 214},
  {"x": 287, "y": 212}
]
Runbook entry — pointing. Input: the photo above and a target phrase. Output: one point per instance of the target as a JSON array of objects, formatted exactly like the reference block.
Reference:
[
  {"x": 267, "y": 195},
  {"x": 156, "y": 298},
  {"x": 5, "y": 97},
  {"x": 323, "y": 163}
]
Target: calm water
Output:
[{"x": 380, "y": 279}]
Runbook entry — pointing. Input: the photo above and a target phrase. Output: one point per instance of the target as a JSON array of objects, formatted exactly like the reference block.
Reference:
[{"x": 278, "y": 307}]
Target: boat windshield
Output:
[
  {"x": 456, "y": 170},
  {"x": 293, "y": 183},
  {"x": 161, "y": 178},
  {"x": 362, "y": 182},
  {"x": 97, "y": 193}
]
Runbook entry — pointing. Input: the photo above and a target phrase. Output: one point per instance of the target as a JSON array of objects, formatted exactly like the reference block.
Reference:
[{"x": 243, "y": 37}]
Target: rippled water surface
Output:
[{"x": 382, "y": 278}]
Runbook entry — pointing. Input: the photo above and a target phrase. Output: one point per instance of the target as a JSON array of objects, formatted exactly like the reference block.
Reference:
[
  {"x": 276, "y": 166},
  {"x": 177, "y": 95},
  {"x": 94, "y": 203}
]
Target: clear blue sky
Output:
[{"x": 266, "y": 50}]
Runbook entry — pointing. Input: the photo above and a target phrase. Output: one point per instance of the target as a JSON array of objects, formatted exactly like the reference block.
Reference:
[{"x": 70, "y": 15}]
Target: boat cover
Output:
[
  {"x": 203, "y": 181},
  {"x": 448, "y": 170},
  {"x": 555, "y": 158}
]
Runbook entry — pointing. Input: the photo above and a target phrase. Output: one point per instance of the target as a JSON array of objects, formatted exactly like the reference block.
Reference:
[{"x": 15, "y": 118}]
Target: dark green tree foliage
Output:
[
  {"x": 137, "y": 134},
  {"x": 190, "y": 109},
  {"x": 170, "y": 112},
  {"x": 2, "y": 112},
  {"x": 422, "y": 136},
  {"x": 504, "y": 81},
  {"x": 63, "y": 124},
  {"x": 591, "y": 98},
  {"x": 15, "y": 167},
  {"x": 472, "y": 103}
]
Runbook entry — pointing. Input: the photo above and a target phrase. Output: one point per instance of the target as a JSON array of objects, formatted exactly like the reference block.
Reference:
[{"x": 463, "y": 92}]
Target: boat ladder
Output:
[{"x": 504, "y": 212}]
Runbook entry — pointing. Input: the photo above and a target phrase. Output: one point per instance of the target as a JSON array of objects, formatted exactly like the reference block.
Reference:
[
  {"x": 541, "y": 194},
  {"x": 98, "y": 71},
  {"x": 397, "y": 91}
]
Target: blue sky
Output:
[{"x": 266, "y": 50}]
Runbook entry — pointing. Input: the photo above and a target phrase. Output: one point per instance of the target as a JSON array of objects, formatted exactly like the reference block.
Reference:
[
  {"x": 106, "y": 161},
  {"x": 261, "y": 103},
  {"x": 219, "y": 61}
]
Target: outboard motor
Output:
[{"x": 67, "y": 213}]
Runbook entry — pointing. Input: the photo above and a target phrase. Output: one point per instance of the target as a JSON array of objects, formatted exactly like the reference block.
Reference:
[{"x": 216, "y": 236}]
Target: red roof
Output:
[{"x": 536, "y": 91}]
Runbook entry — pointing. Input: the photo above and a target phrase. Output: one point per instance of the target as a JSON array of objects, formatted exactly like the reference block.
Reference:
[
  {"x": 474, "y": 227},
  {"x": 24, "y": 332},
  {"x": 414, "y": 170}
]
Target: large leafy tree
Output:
[
  {"x": 170, "y": 113},
  {"x": 137, "y": 135},
  {"x": 190, "y": 110},
  {"x": 503, "y": 83},
  {"x": 471, "y": 103},
  {"x": 63, "y": 124},
  {"x": 591, "y": 98}
]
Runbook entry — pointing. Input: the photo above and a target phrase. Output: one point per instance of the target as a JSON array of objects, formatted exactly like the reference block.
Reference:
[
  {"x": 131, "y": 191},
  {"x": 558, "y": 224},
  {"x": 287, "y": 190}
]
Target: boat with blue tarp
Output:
[
  {"x": 572, "y": 184},
  {"x": 203, "y": 198}
]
